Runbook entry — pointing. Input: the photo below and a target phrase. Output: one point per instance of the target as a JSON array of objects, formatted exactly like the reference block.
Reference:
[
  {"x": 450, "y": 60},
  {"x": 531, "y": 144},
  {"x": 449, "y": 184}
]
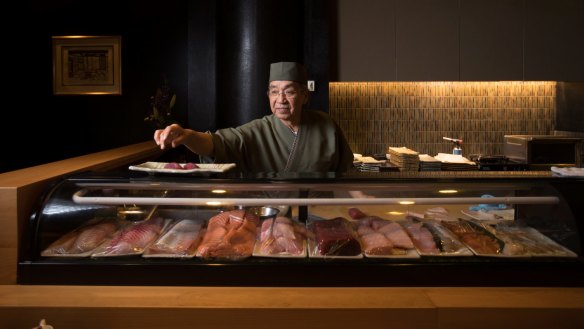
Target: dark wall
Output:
[
  {"x": 250, "y": 35},
  {"x": 153, "y": 45},
  {"x": 215, "y": 54},
  {"x": 232, "y": 43},
  {"x": 570, "y": 106}
]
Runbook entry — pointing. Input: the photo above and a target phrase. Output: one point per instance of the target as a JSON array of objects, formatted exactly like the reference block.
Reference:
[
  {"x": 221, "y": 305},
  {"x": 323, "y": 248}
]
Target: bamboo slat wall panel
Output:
[{"x": 376, "y": 115}]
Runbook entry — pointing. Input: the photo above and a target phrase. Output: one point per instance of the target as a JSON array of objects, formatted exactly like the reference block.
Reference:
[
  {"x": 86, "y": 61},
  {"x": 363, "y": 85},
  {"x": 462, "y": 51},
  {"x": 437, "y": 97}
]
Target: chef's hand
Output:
[
  {"x": 172, "y": 135},
  {"x": 360, "y": 195},
  {"x": 175, "y": 135}
]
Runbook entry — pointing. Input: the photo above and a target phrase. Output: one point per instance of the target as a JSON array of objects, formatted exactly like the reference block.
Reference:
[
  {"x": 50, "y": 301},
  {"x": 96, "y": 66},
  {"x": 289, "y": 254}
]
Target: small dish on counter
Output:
[{"x": 182, "y": 168}]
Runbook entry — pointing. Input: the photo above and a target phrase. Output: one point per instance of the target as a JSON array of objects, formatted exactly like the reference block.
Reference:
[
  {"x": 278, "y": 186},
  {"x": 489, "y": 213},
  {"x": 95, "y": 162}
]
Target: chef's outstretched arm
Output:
[{"x": 174, "y": 135}]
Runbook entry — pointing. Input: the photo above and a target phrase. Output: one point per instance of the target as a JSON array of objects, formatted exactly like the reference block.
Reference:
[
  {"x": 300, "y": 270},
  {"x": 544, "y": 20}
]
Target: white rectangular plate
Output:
[
  {"x": 158, "y": 167},
  {"x": 409, "y": 253}
]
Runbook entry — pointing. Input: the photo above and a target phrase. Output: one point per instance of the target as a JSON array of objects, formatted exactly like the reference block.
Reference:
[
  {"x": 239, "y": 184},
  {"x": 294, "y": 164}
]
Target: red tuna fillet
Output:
[
  {"x": 356, "y": 213},
  {"x": 335, "y": 237}
]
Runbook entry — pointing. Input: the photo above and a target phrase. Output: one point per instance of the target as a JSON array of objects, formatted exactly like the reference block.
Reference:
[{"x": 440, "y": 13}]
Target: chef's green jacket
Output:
[{"x": 267, "y": 145}]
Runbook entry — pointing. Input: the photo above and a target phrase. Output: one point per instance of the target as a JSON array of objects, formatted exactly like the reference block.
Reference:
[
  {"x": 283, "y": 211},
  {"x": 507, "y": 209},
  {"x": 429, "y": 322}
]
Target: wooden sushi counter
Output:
[{"x": 76, "y": 306}]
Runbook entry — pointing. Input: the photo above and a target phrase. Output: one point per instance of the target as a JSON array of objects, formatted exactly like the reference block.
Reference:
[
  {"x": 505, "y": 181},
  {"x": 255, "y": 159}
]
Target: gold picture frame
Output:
[{"x": 87, "y": 65}]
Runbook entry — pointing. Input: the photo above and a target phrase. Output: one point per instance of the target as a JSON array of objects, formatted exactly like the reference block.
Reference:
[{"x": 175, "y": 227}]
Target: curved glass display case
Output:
[{"x": 382, "y": 229}]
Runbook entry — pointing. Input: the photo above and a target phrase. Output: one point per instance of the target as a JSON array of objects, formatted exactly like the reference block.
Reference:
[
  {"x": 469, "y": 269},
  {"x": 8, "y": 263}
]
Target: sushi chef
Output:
[{"x": 291, "y": 139}]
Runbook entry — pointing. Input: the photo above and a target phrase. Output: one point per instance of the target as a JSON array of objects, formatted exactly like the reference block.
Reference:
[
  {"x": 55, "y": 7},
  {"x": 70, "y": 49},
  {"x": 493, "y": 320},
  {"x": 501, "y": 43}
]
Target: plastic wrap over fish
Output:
[
  {"x": 432, "y": 239},
  {"x": 132, "y": 239},
  {"x": 476, "y": 237},
  {"x": 230, "y": 235},
  {"x": 527, "y": 241},
  {"x": 286, "y": 238},
  {"x": 180, "y": 240},
  {"x": 384, "y": 238},
  {"x": 332, "y": 238},
  {"x": 82, "y": 241}
]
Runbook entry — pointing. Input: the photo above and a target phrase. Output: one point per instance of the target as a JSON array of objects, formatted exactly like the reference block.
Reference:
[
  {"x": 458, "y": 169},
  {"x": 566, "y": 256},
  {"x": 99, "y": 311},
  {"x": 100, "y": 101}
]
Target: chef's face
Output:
[{"x": 286, "y": 99}]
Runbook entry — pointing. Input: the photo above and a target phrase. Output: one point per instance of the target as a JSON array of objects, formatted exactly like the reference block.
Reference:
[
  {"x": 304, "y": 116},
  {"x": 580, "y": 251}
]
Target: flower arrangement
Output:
[{"x": 162, "y": 103}]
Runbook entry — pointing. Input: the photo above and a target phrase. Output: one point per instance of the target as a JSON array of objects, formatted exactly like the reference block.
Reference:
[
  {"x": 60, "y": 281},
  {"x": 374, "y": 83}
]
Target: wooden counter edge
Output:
[
  {"x": 290, "y": 297},
  {"x": 99, "y": 161},
  {"x": 259, "y": 307},
  {"x": 245, "y": 307},
  {"x": 21, "y": 189}
]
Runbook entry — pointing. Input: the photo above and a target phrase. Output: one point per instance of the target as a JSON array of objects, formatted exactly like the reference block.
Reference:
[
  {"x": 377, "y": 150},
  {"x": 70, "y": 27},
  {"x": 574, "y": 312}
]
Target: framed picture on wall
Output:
[{"x": 87, "y": 65}]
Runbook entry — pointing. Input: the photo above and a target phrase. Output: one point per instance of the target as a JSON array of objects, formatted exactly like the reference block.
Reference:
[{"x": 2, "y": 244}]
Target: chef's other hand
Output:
[{"x": 172, "y": 135}]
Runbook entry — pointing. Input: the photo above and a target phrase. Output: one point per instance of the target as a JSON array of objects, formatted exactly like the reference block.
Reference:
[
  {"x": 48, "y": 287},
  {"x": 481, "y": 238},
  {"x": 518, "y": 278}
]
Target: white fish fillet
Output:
[
  {"x": 93, "y": 236},
  {"x": 181, "y": 239},
  {"x": 84, "y": 239},
  {"x": 287, "y": 237},
  {"x": 422, "y": 238},
  {"x": 382, "y": 237},
  {"x": 132, "y": 239}
]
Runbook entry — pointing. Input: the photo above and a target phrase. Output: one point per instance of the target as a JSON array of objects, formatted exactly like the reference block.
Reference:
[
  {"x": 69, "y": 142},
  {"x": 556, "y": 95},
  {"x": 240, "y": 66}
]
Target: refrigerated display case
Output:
[{"x": 507, "y": 229}]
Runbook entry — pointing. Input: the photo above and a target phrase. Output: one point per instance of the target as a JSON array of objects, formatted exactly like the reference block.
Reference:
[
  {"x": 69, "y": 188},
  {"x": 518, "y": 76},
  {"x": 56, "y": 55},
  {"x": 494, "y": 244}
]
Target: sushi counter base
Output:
[
  {"x": 83, "y": 306},
  {"x": 91, "y": 307}
]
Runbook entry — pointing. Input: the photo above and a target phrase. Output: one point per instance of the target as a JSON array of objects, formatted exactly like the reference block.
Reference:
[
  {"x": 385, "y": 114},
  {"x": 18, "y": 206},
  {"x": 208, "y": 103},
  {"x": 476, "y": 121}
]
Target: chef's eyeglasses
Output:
[{"x": 289, "y": 93}]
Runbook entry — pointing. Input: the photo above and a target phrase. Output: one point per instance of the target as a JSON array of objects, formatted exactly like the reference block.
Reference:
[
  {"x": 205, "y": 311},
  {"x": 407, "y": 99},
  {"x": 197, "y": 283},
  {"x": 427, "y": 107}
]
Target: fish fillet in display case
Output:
[{"x": 400, "y": 229}]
